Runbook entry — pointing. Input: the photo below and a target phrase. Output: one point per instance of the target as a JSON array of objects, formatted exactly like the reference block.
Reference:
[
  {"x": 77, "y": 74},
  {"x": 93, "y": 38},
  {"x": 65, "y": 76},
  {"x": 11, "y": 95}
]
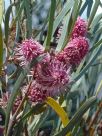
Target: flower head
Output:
[
  {"x": 80, "y": 28},
  {"x": 74, "y": 52},
  {"x": 36, "y": 93},
  {"x": 52, "y": 76},
  {"x": 17, "y": 103},
  {"x": 4, "y": 99},
  {"x": 28, "y": 50}
]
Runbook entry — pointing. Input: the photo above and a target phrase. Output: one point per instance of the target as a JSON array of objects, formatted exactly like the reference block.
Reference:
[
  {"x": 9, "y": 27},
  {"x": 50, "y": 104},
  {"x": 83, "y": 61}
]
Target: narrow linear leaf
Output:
[
  {"x": 59, "y": 110},
  {"x": 99, "y": 31},
  {"x": 88, "y": 5},
  {"x": 7, "y": 18},
  {"x": 96, "y": 45},
  {"x": 50, "y": 26},
  {"x": 37, "y": 109},
  {"x": 64, "y": 32},
  {"x": 19, "y": 12},
  {"x": 1, "y": 10},
  {"x": 78, "y": 115},
  {"x": 1, "y": 49},
  {"x": 80, "y": 66},
  {"x": 21, "y": 124},
  {"x": 95, "y": 22},
  {"x": 39, "y": 123},
  {"x": 29, "y": 18},
  {"x": 75, "y": 13},
  {"x": 94, "y": 10},
  {"x": 99, "y": 88},
  {"x": 89, "y": 64},
  {"x": 69, "y": 4}
]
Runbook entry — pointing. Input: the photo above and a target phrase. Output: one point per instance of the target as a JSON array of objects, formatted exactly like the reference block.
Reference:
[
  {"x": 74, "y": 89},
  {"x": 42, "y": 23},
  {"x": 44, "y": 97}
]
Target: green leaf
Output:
[
  {"x": 68, "y": 5},
  {"x": 18, "y": 14},
  {"x": 93, "y": 12},
  {"x": 29, "y": 18},
  {"x": 34, "y": 127},
  {"x": 20, "y": 125},
  {"x": 87, "y": 4},
  {"x": 17, "y": 86},
  {"x": 76, "y": 128},
  {"x": 64, "y": 32},
  {"x": 80, "y": 66},
  {"x": 1, "y": 10},
  {"x": 37, "y": 109},
  {"x": 78, "y": 115},
  {"x": 96, "y": 45},
  {"x": 1, "y": 50},
  {"x": 7, "y": 18},
  {"x": 89, "y": 63},
  {"x": 99, "y": 88},
  {"x": 98, "y": 31},
  {"x": 50, "y": 26},
  {"x": 75, "y": 13},
  {"x": 95, "y": 22}
]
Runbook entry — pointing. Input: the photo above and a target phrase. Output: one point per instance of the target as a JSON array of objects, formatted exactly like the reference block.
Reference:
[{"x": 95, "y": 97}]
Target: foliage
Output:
[{"x": 73, "y": 113}]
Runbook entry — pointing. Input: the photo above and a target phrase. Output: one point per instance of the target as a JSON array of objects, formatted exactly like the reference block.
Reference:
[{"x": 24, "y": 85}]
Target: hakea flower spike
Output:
[
  {"x": 28, "y": 50},
  {"x": 52, "y": 76},
  {"x": 17, "y": 102},
  {"x": 80, "y": 28},
  {"x": 74, "y": 52},
  {"x": 4, "y": 100},
  {"x": 36, "y": 94}
]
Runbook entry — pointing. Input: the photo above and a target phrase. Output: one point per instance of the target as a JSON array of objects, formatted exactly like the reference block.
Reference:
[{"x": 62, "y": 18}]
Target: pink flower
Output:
[
  {"x": 2, "y": 130},
  {"x": 52, "y": 76},
  {"x": 4, "y": 100},
  {"x": 80, "y": 28},
  {"x": 74, "y": 52},
  {"x": 28, "y": 50},
  {"x": 17, "y": 103},
  {"x": 46, "y": 58},
  {"x": 36, "y": 94}
]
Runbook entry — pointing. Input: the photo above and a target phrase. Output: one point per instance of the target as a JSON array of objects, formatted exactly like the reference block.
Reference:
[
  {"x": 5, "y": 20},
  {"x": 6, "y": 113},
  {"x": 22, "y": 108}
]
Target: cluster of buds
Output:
[
  {"x": 80, "y": 28},
  {"x": 78, "y": 45},
  {"x": 17, "y": 102},
  {"x": 36, "y": 93},
  {"x": 28, "y": 50},
  {"x": 52, "y": 74},
  {"x": 74, "y": 52},
  {"x": 4, "y": 101}
]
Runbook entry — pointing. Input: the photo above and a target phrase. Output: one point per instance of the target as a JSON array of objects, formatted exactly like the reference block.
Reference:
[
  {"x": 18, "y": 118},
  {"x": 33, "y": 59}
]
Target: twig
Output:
[
  {"x": 95, "y": 117},
  {"x": 26, "y": 131},
  {"x": 17, "y": 111}
]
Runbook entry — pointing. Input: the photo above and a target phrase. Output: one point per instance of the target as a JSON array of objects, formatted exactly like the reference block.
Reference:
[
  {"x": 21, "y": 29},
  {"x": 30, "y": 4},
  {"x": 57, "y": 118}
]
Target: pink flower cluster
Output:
[
  {"x": 5, "y": 98},
  {"x": 36, "y": 93},
  {"x": 74, "y": 52},
  {"x": 28, "y": 50},
  {"x": 17, "y": 102},
  {"x": 80, "y": 28},
  {"x": 53, "y": 74},
  {"x": 78, "y": 46}
]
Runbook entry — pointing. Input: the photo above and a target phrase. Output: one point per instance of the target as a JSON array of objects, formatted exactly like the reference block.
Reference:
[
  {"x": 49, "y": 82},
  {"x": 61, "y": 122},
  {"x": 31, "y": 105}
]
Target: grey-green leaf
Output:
[{"x": 78, "y": 115}]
